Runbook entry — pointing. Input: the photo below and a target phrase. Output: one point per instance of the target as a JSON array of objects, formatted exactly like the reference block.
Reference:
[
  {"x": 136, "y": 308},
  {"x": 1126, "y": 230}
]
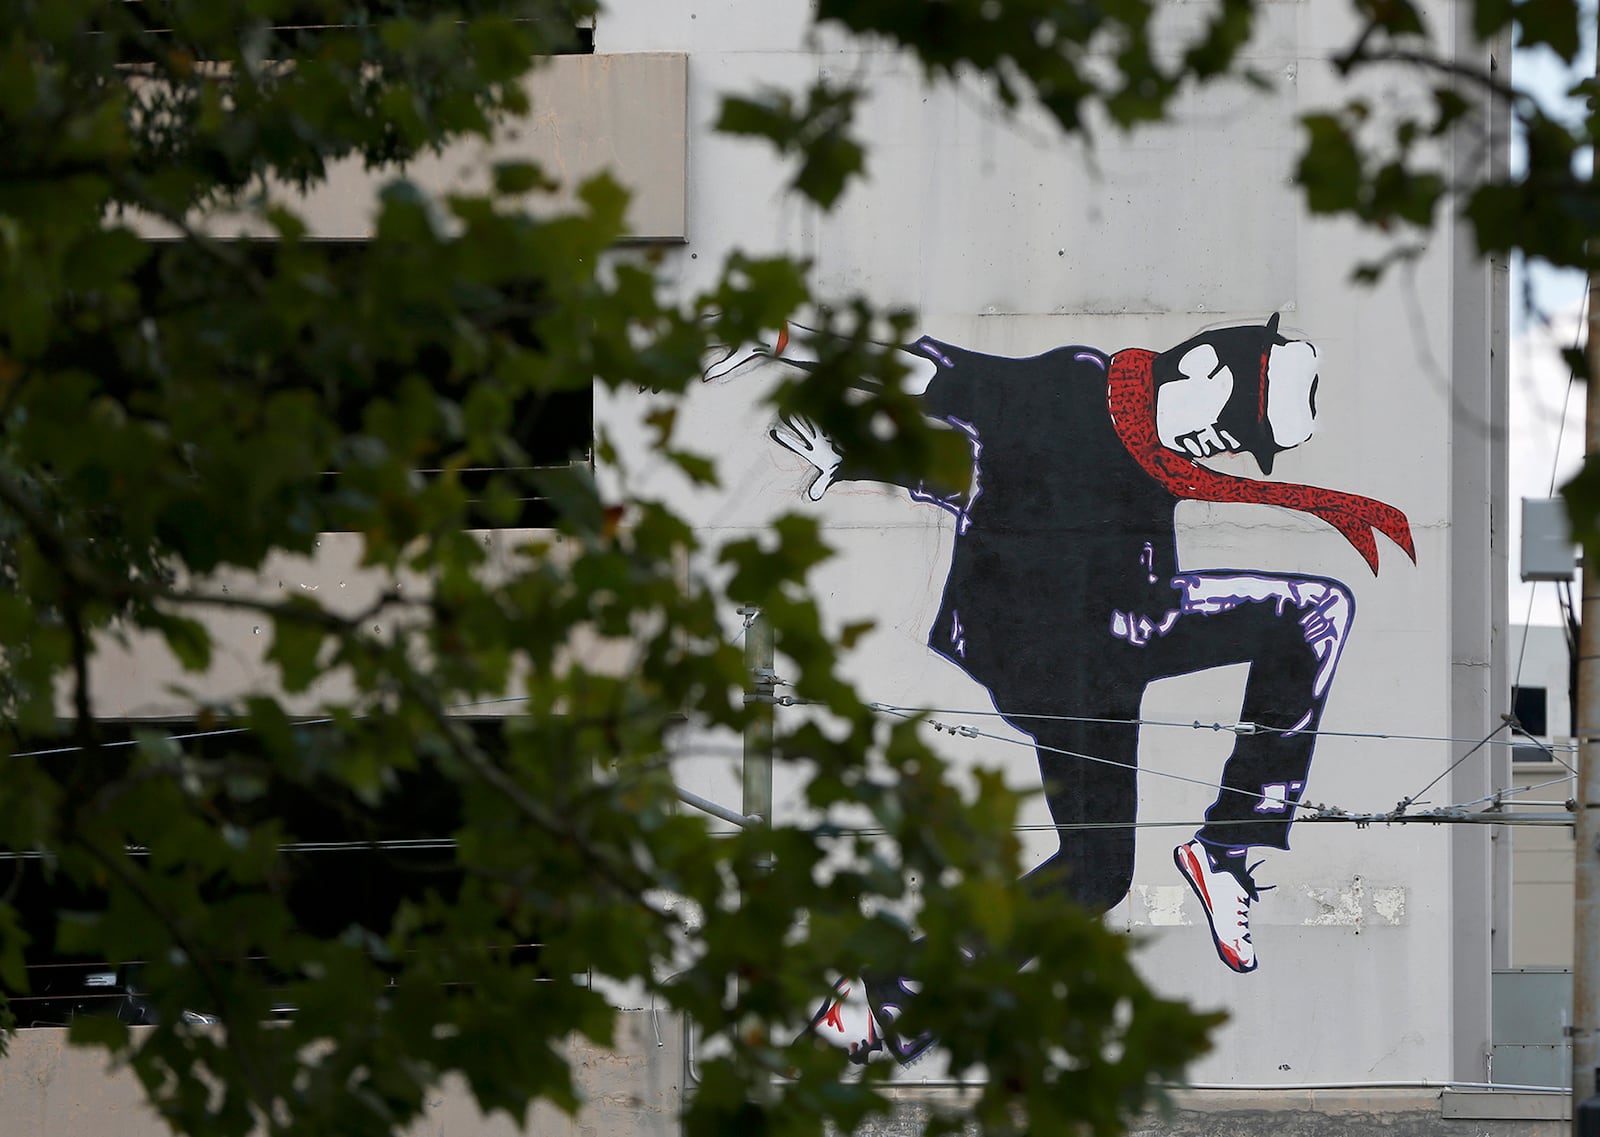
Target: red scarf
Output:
[{"x": 1130, "y": 393}]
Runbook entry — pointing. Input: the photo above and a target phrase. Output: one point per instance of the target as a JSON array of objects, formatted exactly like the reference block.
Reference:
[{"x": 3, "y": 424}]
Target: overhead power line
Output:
[{"x": 1196, "y": 724}]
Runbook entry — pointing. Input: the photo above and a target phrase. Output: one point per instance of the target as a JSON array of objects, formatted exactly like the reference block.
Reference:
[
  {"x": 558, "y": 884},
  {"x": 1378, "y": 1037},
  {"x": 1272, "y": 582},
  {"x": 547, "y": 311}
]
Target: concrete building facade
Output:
[{"x": 1376, "y": 947}]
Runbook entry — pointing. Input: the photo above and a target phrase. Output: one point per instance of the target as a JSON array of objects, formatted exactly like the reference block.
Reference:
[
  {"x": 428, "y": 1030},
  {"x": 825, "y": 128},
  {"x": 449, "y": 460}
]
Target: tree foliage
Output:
[{"x": 174, "y": 413}]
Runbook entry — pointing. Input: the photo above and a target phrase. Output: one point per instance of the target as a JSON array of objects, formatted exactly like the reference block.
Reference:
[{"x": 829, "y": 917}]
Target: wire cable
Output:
[
  {"x": 1242, "y": 728},
  {"x": 1527, "y": 623},
  {"x": 222, "y": 732},
  {"x": 828, "y": 831},
  {"x": 1563, "y": 780},
  {"x": 1235, "y": 728},
  {"x": 973, "y": 732},
  {"x": 1555, "y": 467},
  {"x": 1517, "y": 728},
  {"x": 1566, "y": 400},
  {"x": 1360, "y": 821},
  {"x": 1500, "y": 795},
  {"x": 1412, "y": 799}
]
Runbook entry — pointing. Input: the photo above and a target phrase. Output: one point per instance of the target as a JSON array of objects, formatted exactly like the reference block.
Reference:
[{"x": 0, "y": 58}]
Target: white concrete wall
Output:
[{"x": 1375, "y": 945}]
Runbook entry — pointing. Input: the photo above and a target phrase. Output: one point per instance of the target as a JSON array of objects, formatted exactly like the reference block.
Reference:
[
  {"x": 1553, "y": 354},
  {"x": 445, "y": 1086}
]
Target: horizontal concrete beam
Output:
[
  {"x": 624, "y": 114},
  {"x": 634, "y": 1089}
]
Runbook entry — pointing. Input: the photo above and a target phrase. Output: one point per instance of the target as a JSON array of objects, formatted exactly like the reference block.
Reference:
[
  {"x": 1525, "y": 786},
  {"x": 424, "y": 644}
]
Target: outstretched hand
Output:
[{"x": 805, "y": 438}]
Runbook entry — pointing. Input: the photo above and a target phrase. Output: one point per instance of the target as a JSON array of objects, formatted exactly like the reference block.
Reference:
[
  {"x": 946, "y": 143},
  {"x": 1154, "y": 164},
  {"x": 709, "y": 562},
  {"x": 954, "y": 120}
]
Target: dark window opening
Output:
[
  {"x": 552, "y": 427},
  {"x": 1530, "y": 706},
  {"x": 342, "y": 866},
  {"x": 298, "y": 34}
]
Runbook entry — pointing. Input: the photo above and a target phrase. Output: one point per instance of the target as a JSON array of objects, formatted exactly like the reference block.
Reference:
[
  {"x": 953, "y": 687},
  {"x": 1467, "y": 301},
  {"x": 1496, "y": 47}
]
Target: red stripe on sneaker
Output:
[
  {"x": 834, "y": 1018},
  {"x": 1197, "y": 878}
]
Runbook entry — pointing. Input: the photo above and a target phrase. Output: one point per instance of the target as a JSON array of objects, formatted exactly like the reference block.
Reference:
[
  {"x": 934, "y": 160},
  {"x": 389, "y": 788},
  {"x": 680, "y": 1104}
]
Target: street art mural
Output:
[{"x": 1065, "y": 600}]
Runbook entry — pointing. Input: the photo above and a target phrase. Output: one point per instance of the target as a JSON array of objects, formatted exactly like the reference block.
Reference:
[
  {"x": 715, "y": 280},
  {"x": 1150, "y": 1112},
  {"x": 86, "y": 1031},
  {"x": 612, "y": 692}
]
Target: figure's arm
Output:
[
  {"x": 803, "y": 437},
  {"x": 806, "y": 439},
  {"x": 794, "y": 344}
]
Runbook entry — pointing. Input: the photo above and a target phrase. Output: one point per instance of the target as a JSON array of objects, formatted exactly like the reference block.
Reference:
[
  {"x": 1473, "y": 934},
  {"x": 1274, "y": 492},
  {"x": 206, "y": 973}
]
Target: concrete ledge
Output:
[
  {"x": 625, "y": 114},
  {"x": 1327, "y": 1102},
  {"x": 1506, "y": 1105},
  {"x": 634, "y": 1089}
]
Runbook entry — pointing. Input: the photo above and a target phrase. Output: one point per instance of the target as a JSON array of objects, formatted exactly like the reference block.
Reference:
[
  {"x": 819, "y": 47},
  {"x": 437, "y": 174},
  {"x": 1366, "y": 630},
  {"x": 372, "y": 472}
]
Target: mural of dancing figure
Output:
[{"x": 1065, "y": 598}]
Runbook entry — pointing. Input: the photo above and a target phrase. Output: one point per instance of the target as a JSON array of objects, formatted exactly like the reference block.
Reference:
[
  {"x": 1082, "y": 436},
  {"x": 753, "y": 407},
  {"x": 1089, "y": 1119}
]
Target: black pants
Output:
[
  {"x": 1288, "y": 629},
  {"x": 1082, "y": 717}
]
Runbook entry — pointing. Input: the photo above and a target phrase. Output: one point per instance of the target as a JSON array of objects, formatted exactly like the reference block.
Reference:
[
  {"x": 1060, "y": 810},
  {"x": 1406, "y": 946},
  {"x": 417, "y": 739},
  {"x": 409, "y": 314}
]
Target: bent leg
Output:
[
  {"x": 1090, "y": 776},
  {"x": 1291, "y": 630}
]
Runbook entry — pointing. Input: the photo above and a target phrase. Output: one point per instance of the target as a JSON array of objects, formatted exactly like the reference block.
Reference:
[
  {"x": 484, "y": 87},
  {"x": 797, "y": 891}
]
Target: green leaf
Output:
[
  {"x": 297, "y": 639},
  {"x": 99, "y": 1030},
  {"x": 1330, "y": 169},
  {"x": 1582, "y": 494},
  {"x": 520, "y": 177},
  {"x": 187, "y": 638},
  {"x": 701, "y": 469},
  {"x": 1550, "y": 22},
  {"x": 817, "y": 131}
]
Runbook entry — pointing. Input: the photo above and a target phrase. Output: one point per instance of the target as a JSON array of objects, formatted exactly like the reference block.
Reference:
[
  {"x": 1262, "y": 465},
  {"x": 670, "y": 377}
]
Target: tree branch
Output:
[
  {"x": 117, "y": 865},
  {"x": 1359, "y": 55}
]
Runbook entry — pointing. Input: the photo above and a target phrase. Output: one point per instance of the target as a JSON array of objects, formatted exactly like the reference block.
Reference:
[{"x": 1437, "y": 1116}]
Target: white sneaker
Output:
[
  {"x": 846, "y": 1021},
  {"x": 1226, "y": 897}
]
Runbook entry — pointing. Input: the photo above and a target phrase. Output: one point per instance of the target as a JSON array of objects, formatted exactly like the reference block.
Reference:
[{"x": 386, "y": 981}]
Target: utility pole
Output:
[
  {"x": 758, "y": 658},
  {"x": 1585, "y": 1028}
]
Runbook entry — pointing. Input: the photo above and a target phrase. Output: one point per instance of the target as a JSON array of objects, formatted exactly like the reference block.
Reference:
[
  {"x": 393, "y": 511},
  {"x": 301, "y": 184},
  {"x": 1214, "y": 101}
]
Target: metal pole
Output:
[
  {"x": 706, "y": 805},
  {"x": 758, "y": 657},
  {"x": 1586, "y": 898}
]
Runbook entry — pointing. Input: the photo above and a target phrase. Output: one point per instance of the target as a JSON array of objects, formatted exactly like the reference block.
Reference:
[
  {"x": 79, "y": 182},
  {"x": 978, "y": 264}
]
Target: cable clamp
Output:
[
  {"x": 952, "y": 728},
  {"x": 1232, "y": 728}
]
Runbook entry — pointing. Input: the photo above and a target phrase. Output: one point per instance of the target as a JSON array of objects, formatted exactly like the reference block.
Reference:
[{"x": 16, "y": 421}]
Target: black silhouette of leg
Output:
[
  {"x": 1291, "y": 630},
  {"x": 1090, "y": 774},
  {"x": 1294, "y": 629}
]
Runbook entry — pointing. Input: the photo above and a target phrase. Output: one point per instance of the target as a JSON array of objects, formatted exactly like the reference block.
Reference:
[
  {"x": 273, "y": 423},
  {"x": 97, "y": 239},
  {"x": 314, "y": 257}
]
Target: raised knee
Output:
[
  {"x": 1328, "y": 609},
  {"x": 1336, "y": 595}
]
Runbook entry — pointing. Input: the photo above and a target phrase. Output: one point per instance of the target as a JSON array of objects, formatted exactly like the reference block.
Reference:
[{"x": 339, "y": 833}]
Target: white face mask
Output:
[
  {"x": 1291, "y": 392},
  {"x": 1187, "y": 408}
]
